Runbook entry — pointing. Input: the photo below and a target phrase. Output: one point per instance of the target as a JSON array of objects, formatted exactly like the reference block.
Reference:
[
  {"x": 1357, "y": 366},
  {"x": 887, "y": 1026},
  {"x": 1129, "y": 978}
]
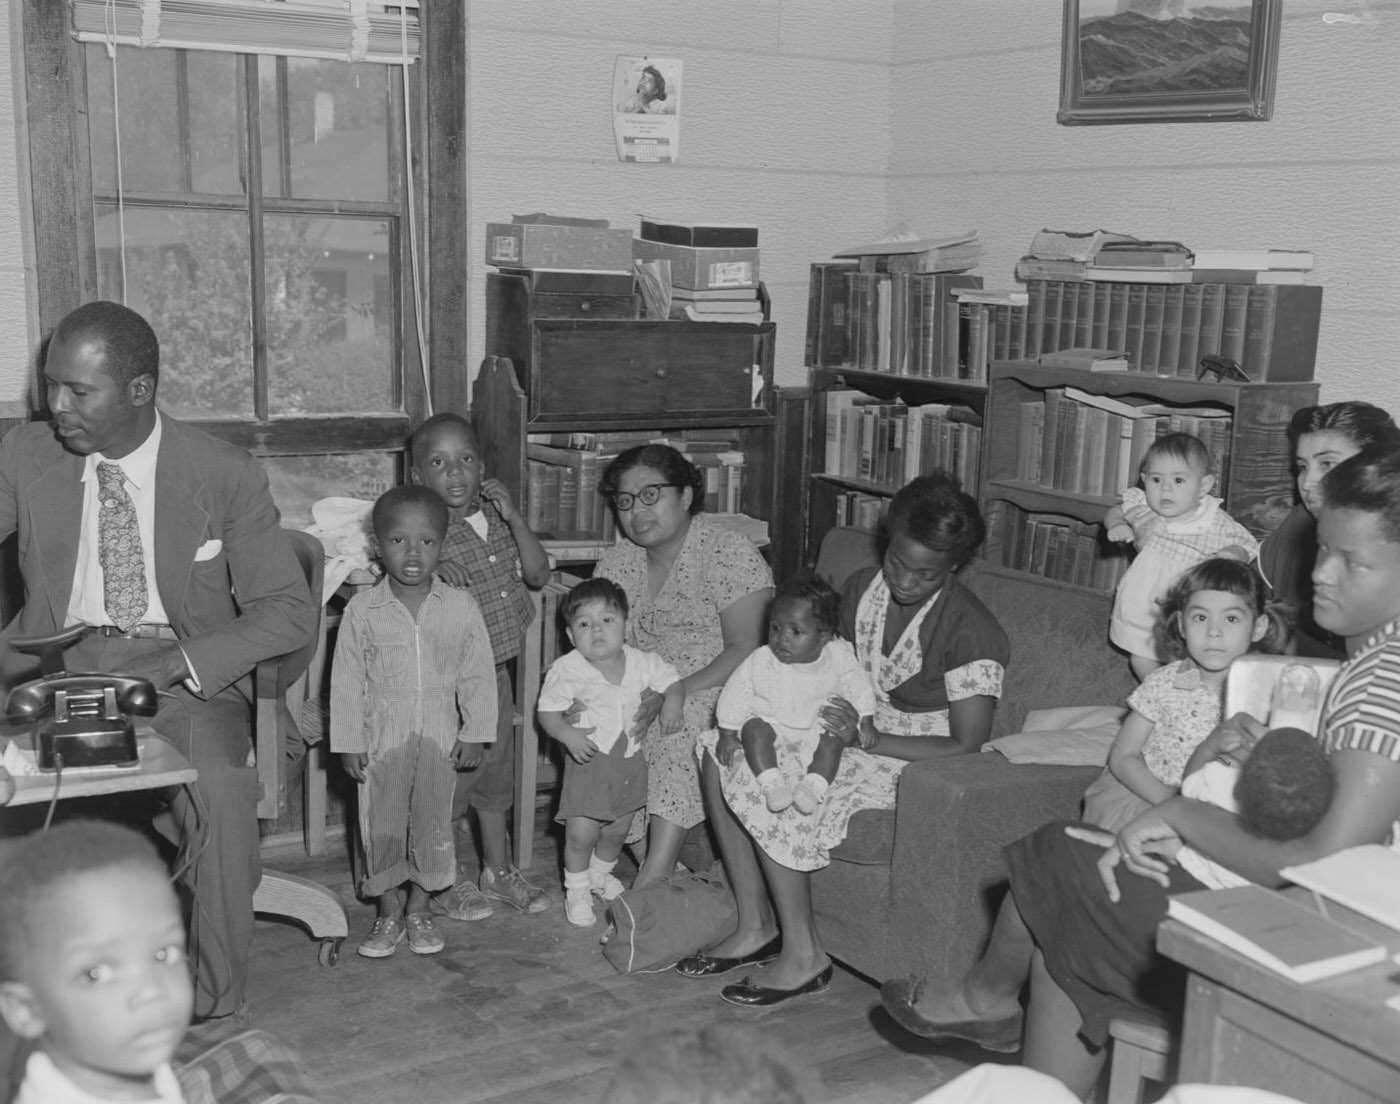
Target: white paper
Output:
[{"x": 646, "y": 122}]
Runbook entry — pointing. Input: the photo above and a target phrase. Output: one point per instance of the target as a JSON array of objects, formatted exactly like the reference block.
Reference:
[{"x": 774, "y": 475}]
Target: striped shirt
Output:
[{"x": 1363, "y": 706}]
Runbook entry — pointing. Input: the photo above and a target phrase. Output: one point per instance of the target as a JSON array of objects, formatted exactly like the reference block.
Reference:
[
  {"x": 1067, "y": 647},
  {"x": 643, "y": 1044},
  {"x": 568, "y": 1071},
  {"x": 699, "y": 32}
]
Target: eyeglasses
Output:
[{"x": 647, "y": 496}]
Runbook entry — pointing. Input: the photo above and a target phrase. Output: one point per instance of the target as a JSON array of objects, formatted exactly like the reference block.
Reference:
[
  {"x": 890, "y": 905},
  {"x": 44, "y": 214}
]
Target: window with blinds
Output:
[{"x": 251, "y": 196}]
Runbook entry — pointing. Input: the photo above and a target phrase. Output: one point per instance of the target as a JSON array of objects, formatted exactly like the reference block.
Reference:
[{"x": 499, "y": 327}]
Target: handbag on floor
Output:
[{"x": 660, "y": 924}]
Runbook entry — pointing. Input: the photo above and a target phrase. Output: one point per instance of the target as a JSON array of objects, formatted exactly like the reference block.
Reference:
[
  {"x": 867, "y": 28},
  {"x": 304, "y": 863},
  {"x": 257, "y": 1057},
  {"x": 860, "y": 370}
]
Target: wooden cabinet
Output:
[
  {"x": 1049, "y": 530},
  {"x": 841, "y": 477},
  {"x": 585, "y": 374}
]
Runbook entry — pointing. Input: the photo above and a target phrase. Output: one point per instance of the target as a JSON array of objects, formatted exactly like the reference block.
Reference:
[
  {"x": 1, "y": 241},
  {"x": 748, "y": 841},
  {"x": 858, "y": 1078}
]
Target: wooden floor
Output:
[{"x": 526, "y": 1009}]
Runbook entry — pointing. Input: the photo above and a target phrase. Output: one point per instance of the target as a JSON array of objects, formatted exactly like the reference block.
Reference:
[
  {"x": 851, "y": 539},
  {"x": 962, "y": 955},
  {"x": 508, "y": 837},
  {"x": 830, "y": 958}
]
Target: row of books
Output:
[
  {"x": 891, "y": 443},
  {"x": 1269, "y": 330},
  {"x": 1053, "y": 547},
  {"x": 561, "y": 494},
  {"x": 900, "y": 322},
  {"x": 1089, "y": 444},
  {"x": 859, "y": 509}
]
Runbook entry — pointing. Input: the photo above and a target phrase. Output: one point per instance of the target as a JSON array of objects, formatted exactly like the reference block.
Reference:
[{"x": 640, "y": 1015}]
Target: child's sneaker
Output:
[
  {"x": 462, "y": 902},
  {"x": 510, "y": 886},
  {"x": 605, "y": 885},
  {"x": 424, "y": 937},
  {"x": 808, "y": 794},
  {"x": 383, "y": 938},
  {"x": 578, "y": 907}
]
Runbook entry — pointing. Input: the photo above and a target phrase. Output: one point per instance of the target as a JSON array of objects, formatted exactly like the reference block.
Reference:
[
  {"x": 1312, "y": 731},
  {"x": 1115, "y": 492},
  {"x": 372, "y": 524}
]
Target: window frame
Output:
[{"x": 65, "y": 251}]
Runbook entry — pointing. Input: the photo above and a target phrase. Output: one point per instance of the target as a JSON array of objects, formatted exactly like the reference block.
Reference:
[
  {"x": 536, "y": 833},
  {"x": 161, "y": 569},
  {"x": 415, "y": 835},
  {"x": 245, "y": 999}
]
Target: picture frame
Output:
[{"x": 1168, "y": 61}]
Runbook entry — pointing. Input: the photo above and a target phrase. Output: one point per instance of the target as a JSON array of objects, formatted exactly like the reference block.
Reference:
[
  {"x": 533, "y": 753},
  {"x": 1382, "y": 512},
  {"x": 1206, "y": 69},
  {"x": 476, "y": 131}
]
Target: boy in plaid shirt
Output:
[
  {"x": 1175, "y": 522},
  {"x": 490, "y": 549}
]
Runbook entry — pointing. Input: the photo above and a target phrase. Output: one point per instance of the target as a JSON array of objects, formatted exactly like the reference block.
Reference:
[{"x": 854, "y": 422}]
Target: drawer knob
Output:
[
  {"x": 585, "y": 306},
  {"x": 661, "y": 373}
]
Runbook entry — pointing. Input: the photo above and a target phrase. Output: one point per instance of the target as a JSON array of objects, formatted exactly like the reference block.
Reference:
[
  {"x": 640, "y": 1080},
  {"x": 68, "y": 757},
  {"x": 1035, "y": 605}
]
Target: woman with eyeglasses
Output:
[{"x": 699, "y": 597}]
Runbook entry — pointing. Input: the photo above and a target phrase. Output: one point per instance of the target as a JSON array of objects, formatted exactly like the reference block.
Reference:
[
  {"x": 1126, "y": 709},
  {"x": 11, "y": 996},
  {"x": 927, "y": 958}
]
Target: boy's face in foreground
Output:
[
  {"x": 597, "y": 630},
  {"x": 409, "y": 543},
  {"x": 106, "y": 989},
  {"x": 448, "y": 462}
]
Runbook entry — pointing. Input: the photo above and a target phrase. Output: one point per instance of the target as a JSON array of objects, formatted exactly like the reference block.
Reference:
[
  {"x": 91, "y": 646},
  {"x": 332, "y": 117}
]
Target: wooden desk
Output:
[
  {"x": 1330, "y": 1042},
  {"x": 161, "y": 765}
]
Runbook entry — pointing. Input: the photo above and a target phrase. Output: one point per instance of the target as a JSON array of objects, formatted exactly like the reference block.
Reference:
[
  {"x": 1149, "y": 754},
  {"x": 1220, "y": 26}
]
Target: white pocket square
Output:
[{"x": 208, "y": 550}]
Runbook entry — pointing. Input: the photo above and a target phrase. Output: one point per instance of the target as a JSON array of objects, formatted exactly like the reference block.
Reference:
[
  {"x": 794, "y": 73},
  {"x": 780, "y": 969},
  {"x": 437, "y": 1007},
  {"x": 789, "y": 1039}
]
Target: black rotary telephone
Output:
[{"x": 78, "y": 720}]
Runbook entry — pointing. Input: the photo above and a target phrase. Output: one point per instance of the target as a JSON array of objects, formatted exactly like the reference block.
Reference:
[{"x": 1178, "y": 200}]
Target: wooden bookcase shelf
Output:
[{"x": 1257, "y": 486}]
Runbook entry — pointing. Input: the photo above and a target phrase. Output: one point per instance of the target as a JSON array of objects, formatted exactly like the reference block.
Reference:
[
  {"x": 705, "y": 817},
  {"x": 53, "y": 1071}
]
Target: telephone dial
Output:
[{"x": 78, "y": 720}]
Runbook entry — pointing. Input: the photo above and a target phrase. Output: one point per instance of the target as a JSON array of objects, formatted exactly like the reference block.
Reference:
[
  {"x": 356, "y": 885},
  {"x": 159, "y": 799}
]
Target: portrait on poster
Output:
[{"x": 647, "y": 108}]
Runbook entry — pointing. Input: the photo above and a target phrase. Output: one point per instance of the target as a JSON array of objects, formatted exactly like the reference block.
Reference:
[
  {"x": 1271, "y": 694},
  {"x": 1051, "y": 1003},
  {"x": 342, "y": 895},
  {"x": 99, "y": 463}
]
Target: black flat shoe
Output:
[
  {"x": 998, "y": 1036},
  {"x": 747, "y": 993},
  {"x": 703, "y": 965}
]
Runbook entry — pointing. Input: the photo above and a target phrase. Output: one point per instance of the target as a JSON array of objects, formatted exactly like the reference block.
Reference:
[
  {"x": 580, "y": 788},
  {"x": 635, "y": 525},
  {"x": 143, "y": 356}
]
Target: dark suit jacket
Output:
[{"x": 232, "y": 607}]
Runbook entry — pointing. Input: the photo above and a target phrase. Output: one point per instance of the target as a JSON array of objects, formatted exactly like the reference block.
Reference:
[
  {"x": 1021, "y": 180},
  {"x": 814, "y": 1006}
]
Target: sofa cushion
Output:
[{"x": 869, "y": 838}]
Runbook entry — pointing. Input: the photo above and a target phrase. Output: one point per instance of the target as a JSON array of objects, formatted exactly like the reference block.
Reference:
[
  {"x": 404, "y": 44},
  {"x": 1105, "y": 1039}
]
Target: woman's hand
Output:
[
  {"x": 726, "y": 746},
  {"x": 647, "y": 712},
  {"x": 840, "y": 719},
  {"x": 467, "y": 756},
  {"x": 673, "y": 708},
  {"x": 576, "y": 742},
  {"x": 354, "y": 763}
]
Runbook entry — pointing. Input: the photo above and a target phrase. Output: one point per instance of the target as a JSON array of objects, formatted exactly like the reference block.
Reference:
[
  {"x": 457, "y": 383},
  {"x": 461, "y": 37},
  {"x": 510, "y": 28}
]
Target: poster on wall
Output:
[{"x": 647, "y": 108}]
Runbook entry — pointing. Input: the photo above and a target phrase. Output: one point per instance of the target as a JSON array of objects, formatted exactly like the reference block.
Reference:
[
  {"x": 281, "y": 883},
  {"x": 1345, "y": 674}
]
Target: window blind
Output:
[{"x": 346, "y": 30}]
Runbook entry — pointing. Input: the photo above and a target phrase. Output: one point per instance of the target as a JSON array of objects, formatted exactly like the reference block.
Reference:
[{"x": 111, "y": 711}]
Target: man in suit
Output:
[{"x": 211, "y": 587}]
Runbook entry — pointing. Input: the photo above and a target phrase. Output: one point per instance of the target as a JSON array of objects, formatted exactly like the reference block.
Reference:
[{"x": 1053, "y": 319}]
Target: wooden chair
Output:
[
  {"x": 1142, "y": 1052},
  {"x": 281, "y": 684}
]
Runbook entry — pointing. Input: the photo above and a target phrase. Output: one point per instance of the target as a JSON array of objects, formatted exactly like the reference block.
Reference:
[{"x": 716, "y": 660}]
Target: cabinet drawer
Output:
[
  {"x": 622, "y": 370},
  {"x": 567, "y": 305}
]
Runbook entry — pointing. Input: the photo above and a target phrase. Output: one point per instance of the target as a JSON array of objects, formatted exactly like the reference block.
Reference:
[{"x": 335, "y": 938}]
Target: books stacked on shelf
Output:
[
  {"x": 1093, "y": 445},
  {"x": 562, "y": 470},
  {"x": 1276, "y": 931},
  {"x": 1052, "y": 546},
  {"x": 890, "y": 443},
  {"x": 859, "y": 509},
  {"x": 1154, "y": 262},
  {"x": 904, "y": 323},
  {"x": 991, "y": 326},
  {"x": 904, "y": 250},
  {"x": 1269, "y": 330},
  {"x": 1251, "y": 266},
  {"x": 828, "y": 314},
  {"x": 1063, "y": 254},
  {"x": 1088, "y": 360},
  {"x": 713, "y": 268}
]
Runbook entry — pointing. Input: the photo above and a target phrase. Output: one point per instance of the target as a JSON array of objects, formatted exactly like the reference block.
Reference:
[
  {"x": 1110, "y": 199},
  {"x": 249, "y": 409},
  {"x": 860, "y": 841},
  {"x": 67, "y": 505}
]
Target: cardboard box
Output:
[
  {"x": 702, "y": 269},
  {"x": 547, "y": 245}
]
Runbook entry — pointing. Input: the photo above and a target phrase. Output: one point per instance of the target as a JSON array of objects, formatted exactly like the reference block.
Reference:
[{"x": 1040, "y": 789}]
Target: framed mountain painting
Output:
[{"x": 1168, "y": 61}]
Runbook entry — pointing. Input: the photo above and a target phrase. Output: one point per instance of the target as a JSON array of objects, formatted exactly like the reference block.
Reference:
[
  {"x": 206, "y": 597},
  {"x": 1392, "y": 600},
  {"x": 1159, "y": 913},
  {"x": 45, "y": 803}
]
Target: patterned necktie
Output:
[{"x": 119, "y": 550}]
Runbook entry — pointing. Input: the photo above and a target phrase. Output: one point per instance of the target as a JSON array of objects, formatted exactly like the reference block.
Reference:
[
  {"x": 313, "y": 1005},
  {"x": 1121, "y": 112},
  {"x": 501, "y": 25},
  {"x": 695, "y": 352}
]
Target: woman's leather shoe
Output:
[
  {"x": 747, "y": 993},
  {"x": 703, "y": 965},
  {"x": 999, "y": 1036}
]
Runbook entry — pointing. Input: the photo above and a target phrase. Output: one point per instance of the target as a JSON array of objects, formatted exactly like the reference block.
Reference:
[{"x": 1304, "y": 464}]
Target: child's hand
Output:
[
  {"x": 840, "y": 719},
  {"x": 495, "y": 492},
  {"x": 727, "y": 746},
  {"x": 867, "y": 734},
  {"x": 452, "y": 573},
  {"x": 1121, "y": 533},
  {"x": 467, "y": 756},
  {"x": 673, "y": 708},
  {"x": 575, "y": 740},
  {"x": 355, "y": 763}
]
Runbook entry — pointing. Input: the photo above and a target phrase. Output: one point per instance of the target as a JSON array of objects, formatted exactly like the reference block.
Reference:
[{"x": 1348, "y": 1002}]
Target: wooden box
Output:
[
  {"x": 512, "y": 305},
  {"x": 547, "y": 245},
  {"x": 702, "y": 269}
]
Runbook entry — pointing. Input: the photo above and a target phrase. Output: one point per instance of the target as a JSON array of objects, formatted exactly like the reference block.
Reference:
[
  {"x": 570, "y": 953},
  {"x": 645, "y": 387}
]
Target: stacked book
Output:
[
  {"x": 1083, "y": 443},
  {"x": 859, "y": 509},
  {"x": 563, "y": 254},
  {"x": 1251, "y": 266},
  {"x": 888, "y": 444},
  {"x": 712, "y": 268},
  {"x": 991, "y": 326},
  {"x": 1141, "y": 262},
  {"x": 1064, "y": 254},
  {"x": 1052, "y": 546}
]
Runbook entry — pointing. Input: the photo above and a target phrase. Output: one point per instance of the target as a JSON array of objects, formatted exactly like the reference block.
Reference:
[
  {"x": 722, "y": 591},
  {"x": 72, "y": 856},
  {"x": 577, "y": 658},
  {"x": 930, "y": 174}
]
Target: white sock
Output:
[
  {"x": 809, "y": 793},
  {"x": 577, "y": 879},
  {"x": 777, "y": 794}
]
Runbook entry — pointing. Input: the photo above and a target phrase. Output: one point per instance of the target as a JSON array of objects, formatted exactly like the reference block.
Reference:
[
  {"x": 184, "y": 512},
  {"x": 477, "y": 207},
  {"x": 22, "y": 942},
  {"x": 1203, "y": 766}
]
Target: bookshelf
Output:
[
  {"x": 855, "y": 472},
  {"x": 1047, "y": 521}
]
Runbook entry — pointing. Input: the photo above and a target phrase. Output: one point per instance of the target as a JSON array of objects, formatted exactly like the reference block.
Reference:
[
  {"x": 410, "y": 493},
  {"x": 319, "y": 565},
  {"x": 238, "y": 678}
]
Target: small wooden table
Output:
[
  {"x": 1328, "y": 1042},
  {"x": 161, "y": 765}
]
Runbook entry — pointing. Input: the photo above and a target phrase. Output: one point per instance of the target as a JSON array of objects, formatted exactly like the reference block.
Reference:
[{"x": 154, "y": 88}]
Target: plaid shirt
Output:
[
  {"x": 493, "y": 566},
  {"x": 247, "y": 1067}
]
